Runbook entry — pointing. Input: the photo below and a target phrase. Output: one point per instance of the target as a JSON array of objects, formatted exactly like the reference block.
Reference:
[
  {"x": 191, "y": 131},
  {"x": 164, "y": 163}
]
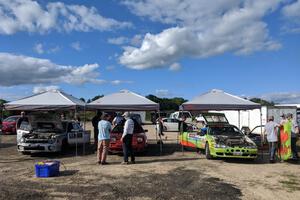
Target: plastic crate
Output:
[{"x": 47, "y": 168}]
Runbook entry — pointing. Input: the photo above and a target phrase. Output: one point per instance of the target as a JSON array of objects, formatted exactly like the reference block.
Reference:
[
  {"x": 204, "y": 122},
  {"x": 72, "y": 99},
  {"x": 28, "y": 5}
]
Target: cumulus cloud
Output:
[
  {"x": 40, "y": 89},
  {"x": 38, "y": 48},
  {"x": 199, "y": 29},
  {"x": 118, "y": 82},
  {"x": 291, "y": 13},
  {"x": 283, "y": 97},
  {"x": 118, "y": 40},
  {"x": 30, "y": 16},
  {"x": 19, "y": 69},
  {"x": 76, "y": 46},
  {"x": 175, "y": 67}
]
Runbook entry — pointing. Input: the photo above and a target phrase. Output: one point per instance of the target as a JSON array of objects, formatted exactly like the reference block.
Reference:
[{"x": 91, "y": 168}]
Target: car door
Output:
[{"x": 174, "y": 124}]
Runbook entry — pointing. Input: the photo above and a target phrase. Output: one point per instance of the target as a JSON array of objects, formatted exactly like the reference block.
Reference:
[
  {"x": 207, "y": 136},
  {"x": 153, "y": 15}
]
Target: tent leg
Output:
[
  {"x": 160, "y": 140},
  {"x": 239, "y": 118},
  {"x": 75, "y": 134},
  {"x": 261, "y": 136},
  {"x": 84, "y": 121}
]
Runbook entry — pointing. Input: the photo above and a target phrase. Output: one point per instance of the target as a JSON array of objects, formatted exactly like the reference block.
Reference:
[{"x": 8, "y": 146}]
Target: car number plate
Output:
[{"x": 237, "y": 153}]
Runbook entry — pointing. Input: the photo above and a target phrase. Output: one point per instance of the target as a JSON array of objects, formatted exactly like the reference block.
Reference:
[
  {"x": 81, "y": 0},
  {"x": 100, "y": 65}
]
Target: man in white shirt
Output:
[
  {"x": 271, "y": 129},
  {"x": 127, "y": 139}
]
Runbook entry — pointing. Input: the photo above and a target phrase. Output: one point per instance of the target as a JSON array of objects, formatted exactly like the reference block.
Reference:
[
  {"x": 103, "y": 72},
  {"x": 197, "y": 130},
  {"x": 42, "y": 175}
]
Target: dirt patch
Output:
[{"x": 177, "y": 184}]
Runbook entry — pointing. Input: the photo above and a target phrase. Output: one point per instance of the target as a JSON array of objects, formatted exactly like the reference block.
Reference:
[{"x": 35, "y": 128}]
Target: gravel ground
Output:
[{"x": 170, "y": 175}]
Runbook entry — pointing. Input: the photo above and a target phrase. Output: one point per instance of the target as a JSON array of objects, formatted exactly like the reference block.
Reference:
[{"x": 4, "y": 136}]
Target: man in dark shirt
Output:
[
  {"x": 95, "y": 122},
  {"x": 182, "y": 125},
  {"x": 23, "y": 118}
]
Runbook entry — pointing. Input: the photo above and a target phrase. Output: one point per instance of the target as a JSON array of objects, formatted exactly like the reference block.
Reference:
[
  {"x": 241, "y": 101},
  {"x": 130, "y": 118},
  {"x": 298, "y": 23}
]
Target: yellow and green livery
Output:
[{"x": 218, "y": 138}]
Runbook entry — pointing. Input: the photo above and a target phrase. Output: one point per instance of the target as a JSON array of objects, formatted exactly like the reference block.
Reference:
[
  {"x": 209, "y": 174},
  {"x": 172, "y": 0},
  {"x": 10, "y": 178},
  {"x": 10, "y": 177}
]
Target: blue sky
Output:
[{"x": 184, "y": 48}]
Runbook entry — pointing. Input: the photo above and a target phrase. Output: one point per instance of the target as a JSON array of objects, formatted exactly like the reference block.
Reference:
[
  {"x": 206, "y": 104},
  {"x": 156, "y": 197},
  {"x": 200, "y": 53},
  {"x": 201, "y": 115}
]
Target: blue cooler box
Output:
[{"x": 47, "y": 168}]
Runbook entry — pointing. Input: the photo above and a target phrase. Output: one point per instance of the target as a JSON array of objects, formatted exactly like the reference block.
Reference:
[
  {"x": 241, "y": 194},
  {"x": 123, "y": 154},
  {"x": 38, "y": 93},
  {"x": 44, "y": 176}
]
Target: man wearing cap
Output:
[
  {"x": 294, "y": 133},
  {"x": 104, "y": 127},
  {"x": 271, "y": 131},
  {"x": 23, "y": 118},
  {"x": 127, "y": 139}
]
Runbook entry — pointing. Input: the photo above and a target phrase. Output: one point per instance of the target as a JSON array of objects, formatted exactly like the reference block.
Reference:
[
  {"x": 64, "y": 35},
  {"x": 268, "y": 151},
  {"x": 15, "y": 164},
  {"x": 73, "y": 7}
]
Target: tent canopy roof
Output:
[
  {"x": 219, "y": 100},
  {"x": 50, "y": 100},
  {"x": 124, "y": 100}
]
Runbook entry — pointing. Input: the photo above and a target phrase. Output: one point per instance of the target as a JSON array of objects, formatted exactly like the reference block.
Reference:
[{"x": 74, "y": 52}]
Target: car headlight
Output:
[
  {"x": 220, "y": 146},
  {"x": 22, "y": 140},
  {"x": 139, "y": 139}
]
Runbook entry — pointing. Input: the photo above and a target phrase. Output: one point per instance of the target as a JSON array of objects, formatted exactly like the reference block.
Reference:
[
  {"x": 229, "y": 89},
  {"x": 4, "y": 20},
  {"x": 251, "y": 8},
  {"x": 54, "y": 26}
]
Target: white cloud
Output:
[
  {"x": 118, "y": 82},
  {"x": 163, "y": 93},
  {"x": 200, "y": 29},
  {"x": 292, "y": 10},
  {"x": 40, "y": 89},
  {"x": 38, "y": 48},
  {"x": 19, "y": 69},
  {"x": 283, "y": 97},
  {"x": 291, "y": 13},
  {"x": 175, "y": 67},
  {"x": 30, "y": 16},
  {"x": 118, "y": 40},
  {"x": 136, "y": 40},
  {"x": 76, "y": 46}
]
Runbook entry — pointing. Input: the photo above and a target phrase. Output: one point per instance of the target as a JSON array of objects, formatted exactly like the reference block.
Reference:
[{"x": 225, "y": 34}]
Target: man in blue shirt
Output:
[{"x": 104, "y": 127}]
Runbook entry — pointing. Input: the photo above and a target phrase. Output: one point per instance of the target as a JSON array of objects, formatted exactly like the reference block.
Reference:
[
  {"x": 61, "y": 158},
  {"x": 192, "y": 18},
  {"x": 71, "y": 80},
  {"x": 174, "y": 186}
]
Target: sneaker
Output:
[
  {"x": 124, "y": 163},
  {"x": 98, "y": 162},
  {"x": 104, "y": 163}
]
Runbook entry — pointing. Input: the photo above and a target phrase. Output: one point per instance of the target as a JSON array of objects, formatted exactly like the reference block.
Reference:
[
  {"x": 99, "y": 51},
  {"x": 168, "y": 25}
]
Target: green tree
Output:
[
  {"x": 167, "y": 104},
  {"x": 262, "y": 102}
]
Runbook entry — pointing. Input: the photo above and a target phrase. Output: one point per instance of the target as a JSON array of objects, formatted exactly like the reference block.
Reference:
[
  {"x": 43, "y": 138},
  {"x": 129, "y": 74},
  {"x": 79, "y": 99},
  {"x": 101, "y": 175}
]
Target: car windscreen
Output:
[
  {"x": 184, "y": 114},
  {"x": 10, "y": 119},
  {"x": 225, "y": 130},
  {"x": 215, "y": 119},
  {"x": 44, "y": 127},
  {"x": 120, "y": 128}
]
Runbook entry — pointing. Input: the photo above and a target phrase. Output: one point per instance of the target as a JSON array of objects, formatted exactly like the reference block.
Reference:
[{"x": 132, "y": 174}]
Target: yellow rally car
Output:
[{"x": 219, "y": 138}]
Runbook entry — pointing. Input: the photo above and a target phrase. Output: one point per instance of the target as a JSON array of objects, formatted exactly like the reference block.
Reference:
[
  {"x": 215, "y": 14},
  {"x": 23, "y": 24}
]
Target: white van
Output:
[{"x": 179, "y": 114}]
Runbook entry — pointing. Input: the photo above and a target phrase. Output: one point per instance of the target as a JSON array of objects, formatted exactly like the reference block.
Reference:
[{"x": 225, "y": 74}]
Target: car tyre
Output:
[{"x": 207, "y": 152}]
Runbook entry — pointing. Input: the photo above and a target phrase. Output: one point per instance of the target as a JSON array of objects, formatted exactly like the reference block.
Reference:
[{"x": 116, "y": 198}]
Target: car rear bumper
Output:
[{"x": 117, "y": 147}]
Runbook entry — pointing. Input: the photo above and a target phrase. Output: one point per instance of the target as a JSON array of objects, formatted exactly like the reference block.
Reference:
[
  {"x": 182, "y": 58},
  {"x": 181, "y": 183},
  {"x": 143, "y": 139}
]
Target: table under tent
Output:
[
  {"x": 124, "y": 100},
  {"x": 218, "y": 100},
  {"x": 53, "y": 100}
]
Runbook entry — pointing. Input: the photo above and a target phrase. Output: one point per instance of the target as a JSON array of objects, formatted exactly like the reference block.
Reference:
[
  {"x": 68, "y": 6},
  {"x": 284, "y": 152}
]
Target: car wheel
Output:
[{"x": 207, "y": 152}]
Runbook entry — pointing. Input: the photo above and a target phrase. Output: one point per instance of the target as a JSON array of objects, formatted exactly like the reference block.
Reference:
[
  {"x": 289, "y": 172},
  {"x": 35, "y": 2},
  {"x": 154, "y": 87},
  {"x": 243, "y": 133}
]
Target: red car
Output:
[
  {"x": 9, "y": 125},
  {"x": 139, "y": 140}
]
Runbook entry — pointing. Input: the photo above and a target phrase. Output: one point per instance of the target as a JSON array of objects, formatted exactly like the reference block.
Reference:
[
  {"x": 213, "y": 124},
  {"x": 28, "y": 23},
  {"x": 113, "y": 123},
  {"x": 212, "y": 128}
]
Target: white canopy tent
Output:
[
  {"x": 50, "y": 100},
  {"x": 219, "y": 100},
  {"x": 124, "y": 101}
]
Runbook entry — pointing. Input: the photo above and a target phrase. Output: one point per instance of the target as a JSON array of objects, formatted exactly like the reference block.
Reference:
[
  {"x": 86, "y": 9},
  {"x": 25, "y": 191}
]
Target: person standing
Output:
[
  {"x": 23, "y": 118},
  {"x": 294, "y": 133},
  {"x": 95, "y": 122},
  {"x": 118, "y": 119},
  {"x": 159, "y": 126},
  {"x": 271, "y": 131},
  {"x": 104, "y": 127},
  {"x": 285, "y": 151},
  {"x": 127, "y": 139}
]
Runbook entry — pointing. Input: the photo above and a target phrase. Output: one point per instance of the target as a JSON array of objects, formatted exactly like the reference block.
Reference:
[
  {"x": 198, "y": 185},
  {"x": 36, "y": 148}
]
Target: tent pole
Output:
[
  {"x": 261, "y": 135},
  {"x": 239, "y": 118},
  {"x": 75, "y": 133},
  {"x": 160, "y": 140},
  {"x": 181, "y": 133},
  {"x": 83, "y": 134}
]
